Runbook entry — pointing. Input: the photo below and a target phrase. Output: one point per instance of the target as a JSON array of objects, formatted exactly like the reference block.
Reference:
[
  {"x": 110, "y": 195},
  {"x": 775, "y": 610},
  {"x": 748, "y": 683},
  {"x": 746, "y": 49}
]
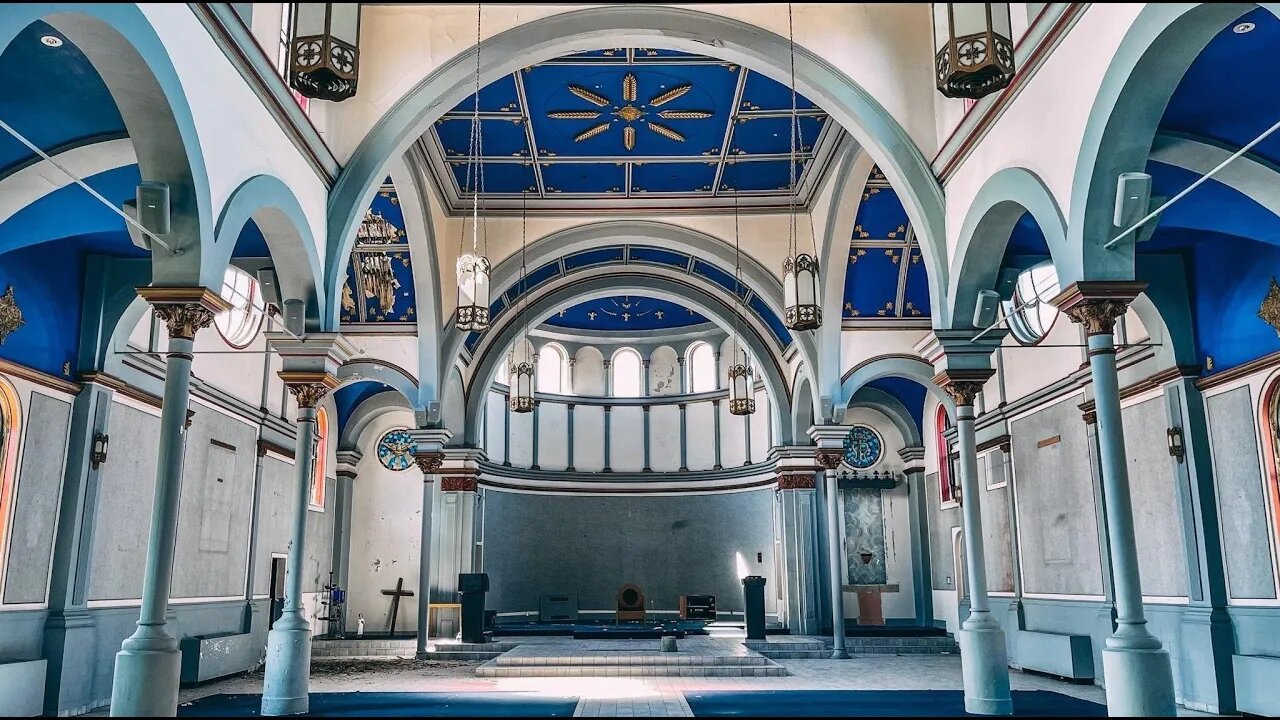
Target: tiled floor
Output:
[{"x": 647, "y": 696}]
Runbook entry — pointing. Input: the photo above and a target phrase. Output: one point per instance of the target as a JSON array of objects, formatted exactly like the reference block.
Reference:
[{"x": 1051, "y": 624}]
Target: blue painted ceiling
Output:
[
  {"x": 349, "y": 397},
  {"x": 627, "y": 128},
  {"x": 908, "y": 392},
  {"x": 886, "y": 277},
  {"x": 1230, "y": 245},
  {"x": 625, "y": 313},
  {"x": 379, "y": 287}
]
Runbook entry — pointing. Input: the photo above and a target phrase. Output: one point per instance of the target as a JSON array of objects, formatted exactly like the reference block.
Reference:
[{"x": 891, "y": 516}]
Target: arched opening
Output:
[
  {"x": 700, "y": 368},
  {"x": 10, "y": 437},
  {"x": 241, "y": 323},
  {"x": 947, "y": 486},
  {"x": 552, "y": 370},
  {"x": 321, "y": 462},
  {"x": 626, "y": 374}
]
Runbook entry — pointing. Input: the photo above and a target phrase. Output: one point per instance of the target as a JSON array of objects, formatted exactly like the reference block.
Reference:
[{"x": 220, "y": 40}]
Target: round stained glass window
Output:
[
  {"x": 863, "y": 447},
  {"x": 395, "y": 450}
]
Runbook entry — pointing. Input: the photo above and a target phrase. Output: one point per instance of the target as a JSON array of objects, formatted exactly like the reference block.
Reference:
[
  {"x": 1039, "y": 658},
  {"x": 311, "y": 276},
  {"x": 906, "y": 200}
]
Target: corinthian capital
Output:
[
  {"x": 185, "y": 310},
  {"x": 308, "y": 388},
  {"x": 1097, "y": 304}
]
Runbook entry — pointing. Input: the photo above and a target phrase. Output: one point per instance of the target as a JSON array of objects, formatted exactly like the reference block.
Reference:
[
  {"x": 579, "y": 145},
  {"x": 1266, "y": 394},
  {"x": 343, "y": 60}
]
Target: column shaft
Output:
[
  {"x": 536, "y": 413},
  {"x": 715, "y": 406},
  {"x": 608, "y": 433},
  {"x": 569, "y": 438},
  {"x": 148, "y": 664},
  {"x": 684, "y": 438},
  {"x": 647, "y": 467},
  {"x": 424, "y": 564},
  {"x": 835, "y": 567}
]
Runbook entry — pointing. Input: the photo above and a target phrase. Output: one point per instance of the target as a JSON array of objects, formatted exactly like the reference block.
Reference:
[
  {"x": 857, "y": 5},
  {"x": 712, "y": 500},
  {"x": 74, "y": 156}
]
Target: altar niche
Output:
[{"x": 866, "y": 551}]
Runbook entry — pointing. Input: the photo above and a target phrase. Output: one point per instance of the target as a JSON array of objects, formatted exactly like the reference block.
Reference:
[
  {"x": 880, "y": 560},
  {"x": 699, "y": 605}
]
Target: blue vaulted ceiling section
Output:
[
  {"x": 908, "y": 392},
  {"x": 886, "y": 277},
  {"x": 55, "y": 98},
  {"x": 379, "y": 289},
  {"x": 622, "y": 255},
  {"x": 625, "y": 313},
  {"x": 630, "y": 128},
  {"x": 1229, "y": 244},
  {"x": 348, "y": 398}
]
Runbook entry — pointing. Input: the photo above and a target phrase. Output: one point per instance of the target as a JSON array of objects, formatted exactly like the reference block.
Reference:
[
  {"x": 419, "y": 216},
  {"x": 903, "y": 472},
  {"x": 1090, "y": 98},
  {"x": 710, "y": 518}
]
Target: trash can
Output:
[
  {"x": 753, "y": 594},
  {"x": 472, "y": 588}
]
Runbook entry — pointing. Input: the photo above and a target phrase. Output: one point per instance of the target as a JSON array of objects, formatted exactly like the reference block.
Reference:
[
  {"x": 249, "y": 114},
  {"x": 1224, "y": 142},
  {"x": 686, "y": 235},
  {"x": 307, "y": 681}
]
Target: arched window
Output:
[
  {"x": 1029, "y": 312},
  {"x": 945, "y": 483},
  {"x": 551, "y": 365},
  {"x": 700, "y": 365},
  {"x": 627, "y": 370},
  {"x": 321, "y": 460},
  {"x": 240, "y": 325}
]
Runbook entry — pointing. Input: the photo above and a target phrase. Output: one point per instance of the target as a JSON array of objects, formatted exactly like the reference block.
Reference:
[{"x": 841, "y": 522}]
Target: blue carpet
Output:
[
  {"x": 877, "y": 703},
  {"x": 395, "y": 704}
]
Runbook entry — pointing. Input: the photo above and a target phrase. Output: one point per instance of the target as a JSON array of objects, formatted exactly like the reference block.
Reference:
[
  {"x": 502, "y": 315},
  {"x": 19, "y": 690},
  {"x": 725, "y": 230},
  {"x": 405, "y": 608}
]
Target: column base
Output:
[
  {"x": 1139, "y": 682},
  {"x": 146, "y": 682},
  {"x": 985, "y": 667},
  {"x": 839, "y": 654},
  {"x": 288, "y": 672}
]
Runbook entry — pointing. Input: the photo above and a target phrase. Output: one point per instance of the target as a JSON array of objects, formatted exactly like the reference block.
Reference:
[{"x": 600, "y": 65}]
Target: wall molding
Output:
[
  {"x": 1266, "y": 362},
  {"x": 43, "y": 379}
]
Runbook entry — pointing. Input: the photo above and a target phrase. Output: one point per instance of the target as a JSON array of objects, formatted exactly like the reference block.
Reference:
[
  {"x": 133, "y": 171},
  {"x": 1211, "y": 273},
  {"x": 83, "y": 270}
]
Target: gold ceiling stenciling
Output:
[{"x": 629, "y": 112}]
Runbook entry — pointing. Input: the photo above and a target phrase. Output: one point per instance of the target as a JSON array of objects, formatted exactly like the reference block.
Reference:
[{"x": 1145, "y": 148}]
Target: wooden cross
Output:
[{"x": 396, "y": 594}]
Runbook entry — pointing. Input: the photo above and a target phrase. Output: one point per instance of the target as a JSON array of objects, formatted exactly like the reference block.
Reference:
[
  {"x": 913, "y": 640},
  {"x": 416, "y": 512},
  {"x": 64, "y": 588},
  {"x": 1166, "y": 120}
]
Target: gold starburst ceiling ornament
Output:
[
  {"x": 1269, "y": 311},
  {"x": 629, "y": 112},
  {"x": 10, "y": 315}
]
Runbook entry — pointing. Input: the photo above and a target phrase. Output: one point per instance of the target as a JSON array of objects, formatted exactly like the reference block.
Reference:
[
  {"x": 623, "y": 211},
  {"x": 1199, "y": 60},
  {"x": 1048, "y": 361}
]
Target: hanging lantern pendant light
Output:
[
  {"x": 974, "y": 48},
  {"x": 324, "y": 50},
  {"x": 742, "y": 386},
  {"x": 801, "y": 300},
  {"x": 520, "y": 363},
  {"x": 473, "y": 267}
]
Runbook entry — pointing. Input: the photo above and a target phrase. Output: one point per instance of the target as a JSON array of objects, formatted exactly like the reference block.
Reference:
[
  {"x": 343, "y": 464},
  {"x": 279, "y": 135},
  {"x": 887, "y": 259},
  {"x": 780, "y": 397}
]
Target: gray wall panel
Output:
[
  {"x": 1242, "y": 502},
  {"x": 1157, "y": 516},
  {"x": 36, "y": 506},
  {"x": 997, "y": 545},
  {"x": 1057, "y": 524},
  {"x": 941, "y": 548},
  {"x": 591, "y": 546},
  {"x": 127, "y": 486}
]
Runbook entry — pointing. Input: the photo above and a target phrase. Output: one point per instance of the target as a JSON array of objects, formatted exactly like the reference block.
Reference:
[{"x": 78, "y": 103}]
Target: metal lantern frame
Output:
[
  {"x": 974, "y": 53},
  {"x": 473, "y": 267},
  {"x": 520, "y": 363},
  {"x": 801, "y": 297},
  {"x": 324, "y": 50},
  {"x": 742, "y": 384}
]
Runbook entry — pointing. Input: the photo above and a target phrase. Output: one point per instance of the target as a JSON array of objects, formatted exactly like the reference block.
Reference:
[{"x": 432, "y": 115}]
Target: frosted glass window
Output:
[
  {"x": 551, "y": 370},
  {"x": 240, "y": 324},
  {"x": 702, "y": 369},
  {"x": 1029, "y": 312},
  {"x": 626, "y": 373}
]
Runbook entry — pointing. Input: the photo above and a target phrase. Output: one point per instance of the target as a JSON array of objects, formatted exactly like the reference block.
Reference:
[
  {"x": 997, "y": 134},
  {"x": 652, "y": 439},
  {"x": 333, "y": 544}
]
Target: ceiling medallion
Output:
[
  {"x": 1268, "y": 311},
  {"x": 629, "y": 112},
  {"x": 10, "y": 315}
]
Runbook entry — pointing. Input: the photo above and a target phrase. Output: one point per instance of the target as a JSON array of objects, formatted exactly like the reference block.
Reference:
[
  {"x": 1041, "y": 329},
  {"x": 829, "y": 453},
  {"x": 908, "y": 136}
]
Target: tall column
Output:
[
  {"x": 645, "y": 385},
  {"x": 454, "y": 533},
  {"x": 569, "y": 439},
  {"x": 746, "y": 438},
  {"x": 715, "y": 411},
  {"x": 684, "y": 438},
  {"x": 608, "y": 378},
  {"x": 534, "y": 449},
  {"x": 348, "y": 461},
  {"x": 310, "y": 372},
  {"x": 647, "y": 467},
  {"x": 921, "y": 569},
  {"x": 506, "y": 432},
  {"x": 1137, "y": 668},
  {"x": 608, "y": 436},
  {"x": 148, "y": 665},
  {"x": 429, "y": 456},
  {"x": 797, "y": 517},
  {"x": 830, "y": 439},
  {"x": 572, "y": 389},
  {"x": 684, "y": 379}
]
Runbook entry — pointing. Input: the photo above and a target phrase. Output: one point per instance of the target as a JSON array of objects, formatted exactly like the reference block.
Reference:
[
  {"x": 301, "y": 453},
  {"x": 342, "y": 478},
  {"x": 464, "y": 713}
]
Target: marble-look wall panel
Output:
[
  {"x": 591, "y": 546},
  {"x": 997, "y": 547},
  {"x": 1057, "y": 519},
  {"x": 864, "y": 532},
  {"x": 553, "y": 436},
  {"x": 588, "y": 438},
  {"x": 664, "y": 430},
  {"x": 1153, "y": 487},
  {"x": 701, "y": 422},
  {"x": 1242, "y": 501},
  {"x": 626, "y": 446},
  {"x": 941, "y": 526},
  {"x": 215, "y": 512},
  {"x": 35, "y": 514},
  {"x": 126, "y": 488}
]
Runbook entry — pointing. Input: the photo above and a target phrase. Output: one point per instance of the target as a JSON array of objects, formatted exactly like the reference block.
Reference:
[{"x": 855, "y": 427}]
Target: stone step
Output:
[
  {"x": 622, "y": 659},
  {"x": 797, "y": 654},
  {"x": 901, "y": 641},
  {"x": 406, "y": 648},
  {"x": 786, "y": 645},
  {"x": 492, "y": 669}
]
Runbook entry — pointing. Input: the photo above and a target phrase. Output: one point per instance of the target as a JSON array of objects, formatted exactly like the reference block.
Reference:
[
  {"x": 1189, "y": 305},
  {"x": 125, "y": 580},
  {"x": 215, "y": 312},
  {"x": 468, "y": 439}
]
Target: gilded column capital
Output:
[
  {"x": 429, "y": 462},
  {"x": 185, "y": 310},
  {"x": 962, "y": 386},
  {"x": 1096, "y": 304},
  {"x": 308, "y": 388},
  {"x": 829, "y": 459}
]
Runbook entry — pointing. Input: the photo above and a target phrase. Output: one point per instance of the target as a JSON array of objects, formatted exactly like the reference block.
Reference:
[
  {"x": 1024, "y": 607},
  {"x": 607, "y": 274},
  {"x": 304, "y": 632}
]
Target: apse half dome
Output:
[{"x": 625, "y": 313}]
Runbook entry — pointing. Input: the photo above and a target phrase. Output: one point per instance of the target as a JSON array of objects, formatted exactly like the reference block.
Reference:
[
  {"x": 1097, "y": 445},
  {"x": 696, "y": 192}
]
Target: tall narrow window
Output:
[
  {"x": 321, "y": 460},
  {"x": 627, "y": 370},
  {"x": 944, "y": 455},
  {"x": 10, "y": 422},
  {"x": 551, "y": 364},
  {"x": 701, "y": 368}
]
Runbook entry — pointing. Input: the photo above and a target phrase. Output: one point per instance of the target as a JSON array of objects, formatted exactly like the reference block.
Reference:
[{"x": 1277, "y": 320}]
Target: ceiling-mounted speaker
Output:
[
  {"x": 985, "y": 308},
  {"x": 153, "y": 207},
  {"x": 295, "y": 317},
  {"x": 1133, "y": 198},
  {"x": 1006, "y": 281},
  {"x": 269, "y": 284},
  {"x": 433, "y": 412}
]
